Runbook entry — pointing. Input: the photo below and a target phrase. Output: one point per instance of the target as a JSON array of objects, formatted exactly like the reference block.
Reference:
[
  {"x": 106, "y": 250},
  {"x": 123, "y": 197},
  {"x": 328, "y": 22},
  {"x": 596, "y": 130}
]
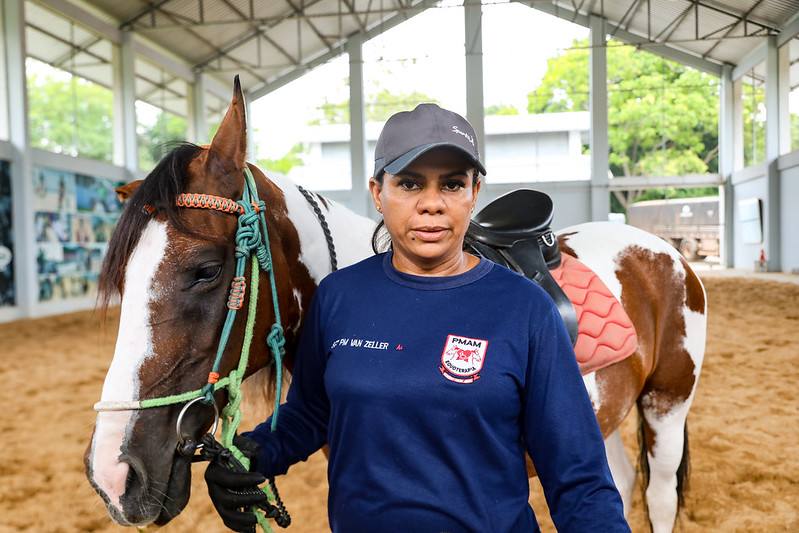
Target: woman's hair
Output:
[{"x": 381, "y": 240}]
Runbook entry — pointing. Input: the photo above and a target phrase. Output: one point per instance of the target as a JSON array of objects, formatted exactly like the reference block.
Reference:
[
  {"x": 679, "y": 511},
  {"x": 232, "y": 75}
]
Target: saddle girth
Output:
[{"x": 514, "y": 231}]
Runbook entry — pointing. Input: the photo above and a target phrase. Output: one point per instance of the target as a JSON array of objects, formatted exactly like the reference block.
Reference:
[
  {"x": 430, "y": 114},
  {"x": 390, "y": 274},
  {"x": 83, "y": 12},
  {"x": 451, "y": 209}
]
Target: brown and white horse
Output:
[{"x": 172, "y": 266}]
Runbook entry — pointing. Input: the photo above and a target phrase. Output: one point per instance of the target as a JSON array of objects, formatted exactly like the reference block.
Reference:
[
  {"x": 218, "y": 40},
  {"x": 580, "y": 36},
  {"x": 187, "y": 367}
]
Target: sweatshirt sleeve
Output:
[
  {"x": 563, "y": 437},
  {"x": 302, "y": 420}
]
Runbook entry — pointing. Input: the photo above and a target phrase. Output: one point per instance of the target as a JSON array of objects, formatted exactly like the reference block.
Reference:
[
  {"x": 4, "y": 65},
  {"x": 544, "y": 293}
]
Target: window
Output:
[
  {"x": 537, "y": 120},
  {"x": 793, "y": 95},
  {"x": 753, "y": 96},
  {"x": 301, "y": 130},
  {"x": 662, "y": 116},
  {"x": 69, "y": 75},
  {"x": 161, "y": 112}
]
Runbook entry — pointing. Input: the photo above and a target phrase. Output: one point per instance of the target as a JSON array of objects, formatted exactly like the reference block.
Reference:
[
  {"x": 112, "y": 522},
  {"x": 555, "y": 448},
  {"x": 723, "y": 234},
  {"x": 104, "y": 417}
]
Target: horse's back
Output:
[
  {"x": 648, "y": 276},
  {"x": 612, "y": 249},
  {"x": 663, "y": 298}
]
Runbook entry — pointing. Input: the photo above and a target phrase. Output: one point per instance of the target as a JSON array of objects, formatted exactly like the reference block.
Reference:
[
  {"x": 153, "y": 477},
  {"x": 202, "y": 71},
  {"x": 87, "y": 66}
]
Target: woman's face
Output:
[{"x": 426, "y": 209}]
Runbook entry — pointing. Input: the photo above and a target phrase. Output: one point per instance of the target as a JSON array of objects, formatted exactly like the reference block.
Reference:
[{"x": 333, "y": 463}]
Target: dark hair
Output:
[{"x": 381, "y": 240}]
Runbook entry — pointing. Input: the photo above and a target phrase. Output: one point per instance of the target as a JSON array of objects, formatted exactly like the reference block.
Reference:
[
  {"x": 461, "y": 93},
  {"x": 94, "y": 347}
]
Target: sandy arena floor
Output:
[{"x": 744, "y": 425}]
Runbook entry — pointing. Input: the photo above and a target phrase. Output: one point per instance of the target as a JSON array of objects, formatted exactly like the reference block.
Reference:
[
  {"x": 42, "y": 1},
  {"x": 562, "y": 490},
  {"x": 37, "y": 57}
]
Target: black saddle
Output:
[{"x": 514, "y": 231}]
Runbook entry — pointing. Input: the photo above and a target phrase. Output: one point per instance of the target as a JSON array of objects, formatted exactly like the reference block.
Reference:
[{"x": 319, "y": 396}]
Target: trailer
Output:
[{"x": 690, "y": 224}]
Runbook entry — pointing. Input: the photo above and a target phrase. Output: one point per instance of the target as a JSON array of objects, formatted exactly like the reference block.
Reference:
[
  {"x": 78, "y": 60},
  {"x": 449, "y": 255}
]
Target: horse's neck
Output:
[{"x": 351, "y": 233}]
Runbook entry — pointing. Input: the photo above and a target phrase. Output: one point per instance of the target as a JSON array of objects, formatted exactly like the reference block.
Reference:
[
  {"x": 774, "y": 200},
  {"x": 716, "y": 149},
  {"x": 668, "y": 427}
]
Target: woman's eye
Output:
[
  {"x": 407, "y": 184},
  {"x": 454, "y": 185},
  {"x": 206, "y": 274}
]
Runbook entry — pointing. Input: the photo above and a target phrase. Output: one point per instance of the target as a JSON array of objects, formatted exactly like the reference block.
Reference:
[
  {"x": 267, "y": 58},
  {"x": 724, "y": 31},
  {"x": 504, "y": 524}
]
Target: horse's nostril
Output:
[{"x": 137, "y": 480}]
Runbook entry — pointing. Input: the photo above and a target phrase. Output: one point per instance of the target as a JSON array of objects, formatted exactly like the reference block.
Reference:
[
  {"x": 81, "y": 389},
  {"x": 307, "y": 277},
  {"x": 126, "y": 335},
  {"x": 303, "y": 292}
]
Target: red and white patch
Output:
[{"x": 463, "y": 358}]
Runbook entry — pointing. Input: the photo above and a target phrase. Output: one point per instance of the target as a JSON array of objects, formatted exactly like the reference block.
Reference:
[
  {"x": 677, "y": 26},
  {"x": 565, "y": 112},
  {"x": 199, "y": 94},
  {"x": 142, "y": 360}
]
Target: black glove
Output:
[{"x": 232, "y": 488}]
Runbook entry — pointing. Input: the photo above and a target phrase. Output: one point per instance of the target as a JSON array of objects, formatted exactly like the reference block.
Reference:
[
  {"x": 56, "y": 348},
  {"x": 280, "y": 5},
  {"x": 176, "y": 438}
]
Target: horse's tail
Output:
[{"x": 683, "y": 471}]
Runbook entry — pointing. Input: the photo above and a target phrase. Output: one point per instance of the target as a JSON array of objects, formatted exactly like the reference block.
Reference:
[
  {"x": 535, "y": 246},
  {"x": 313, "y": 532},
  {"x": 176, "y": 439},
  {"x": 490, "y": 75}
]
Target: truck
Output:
[{"x": 691, "y": 225}]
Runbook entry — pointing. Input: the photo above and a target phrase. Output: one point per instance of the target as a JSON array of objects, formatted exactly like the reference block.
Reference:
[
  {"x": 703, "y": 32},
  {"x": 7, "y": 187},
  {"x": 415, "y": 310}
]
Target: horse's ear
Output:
[
  {"x": 230, "y": 141},
  {"x": 126, "y": 191}
]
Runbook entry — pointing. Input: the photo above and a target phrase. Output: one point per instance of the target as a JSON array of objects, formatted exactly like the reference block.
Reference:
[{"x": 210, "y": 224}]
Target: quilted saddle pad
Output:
[{"x": 605, "y": 333}]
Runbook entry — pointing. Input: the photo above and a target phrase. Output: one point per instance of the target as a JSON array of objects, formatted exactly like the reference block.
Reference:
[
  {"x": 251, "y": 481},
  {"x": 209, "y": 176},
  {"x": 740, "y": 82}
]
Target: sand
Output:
[{"x": 744, "y": 425}]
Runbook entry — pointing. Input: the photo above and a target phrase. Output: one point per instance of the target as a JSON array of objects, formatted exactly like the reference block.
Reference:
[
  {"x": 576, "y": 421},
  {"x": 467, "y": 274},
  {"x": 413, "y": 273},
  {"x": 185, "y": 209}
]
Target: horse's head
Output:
[{"x": 173, "y": 268}]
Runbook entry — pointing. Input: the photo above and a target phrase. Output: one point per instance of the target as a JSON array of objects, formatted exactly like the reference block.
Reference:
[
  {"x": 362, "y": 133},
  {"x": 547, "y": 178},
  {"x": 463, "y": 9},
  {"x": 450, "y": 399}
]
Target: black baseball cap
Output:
[{"x": 409, "y": 134}]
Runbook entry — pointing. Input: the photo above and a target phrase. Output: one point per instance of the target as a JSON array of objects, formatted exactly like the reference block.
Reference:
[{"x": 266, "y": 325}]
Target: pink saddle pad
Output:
[{"x": 605, "y": 333}]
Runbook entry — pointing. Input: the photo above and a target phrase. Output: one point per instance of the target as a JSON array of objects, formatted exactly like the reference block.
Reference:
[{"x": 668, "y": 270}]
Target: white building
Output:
[{"x": 519, "y": 148}]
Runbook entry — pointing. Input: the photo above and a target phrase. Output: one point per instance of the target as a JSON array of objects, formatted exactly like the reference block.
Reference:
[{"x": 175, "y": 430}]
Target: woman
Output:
[{"x": 430, "y": 372}]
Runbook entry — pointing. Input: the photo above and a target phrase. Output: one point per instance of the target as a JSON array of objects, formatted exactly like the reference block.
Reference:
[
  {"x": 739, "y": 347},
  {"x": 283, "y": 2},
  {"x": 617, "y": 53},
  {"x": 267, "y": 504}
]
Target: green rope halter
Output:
[{"x": 252, "y": 240}]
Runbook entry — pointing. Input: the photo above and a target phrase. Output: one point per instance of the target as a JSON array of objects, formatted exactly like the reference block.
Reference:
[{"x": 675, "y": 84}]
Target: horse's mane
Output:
[{"x": 168, "y": 179}]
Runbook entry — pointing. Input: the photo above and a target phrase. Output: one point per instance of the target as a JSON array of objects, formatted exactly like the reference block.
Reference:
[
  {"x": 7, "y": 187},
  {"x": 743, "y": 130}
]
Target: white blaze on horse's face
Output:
[{"x": 134, "y": 345}]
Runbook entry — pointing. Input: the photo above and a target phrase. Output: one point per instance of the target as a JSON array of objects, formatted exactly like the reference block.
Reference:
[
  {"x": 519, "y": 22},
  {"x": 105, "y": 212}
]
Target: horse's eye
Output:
[{"x": 206, "y": 274}]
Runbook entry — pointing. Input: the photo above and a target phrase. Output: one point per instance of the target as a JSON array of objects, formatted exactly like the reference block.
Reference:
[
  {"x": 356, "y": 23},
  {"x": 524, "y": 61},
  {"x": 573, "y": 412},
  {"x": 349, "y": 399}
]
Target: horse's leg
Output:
[
  {"x": 666, "y": 399},
  {"x": 664, "y": 447},
  {"x": 614, "y": 391},
  {"x": 622, "y": 469}
]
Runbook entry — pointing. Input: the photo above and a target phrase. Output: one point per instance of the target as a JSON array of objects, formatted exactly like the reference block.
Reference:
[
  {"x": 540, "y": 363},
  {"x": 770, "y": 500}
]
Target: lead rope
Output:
[{"x": 252, "y": 240}]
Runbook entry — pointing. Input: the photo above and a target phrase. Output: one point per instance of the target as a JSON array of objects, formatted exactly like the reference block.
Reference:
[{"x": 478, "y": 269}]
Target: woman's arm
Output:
[
  {"x": 302, "y": 420},
  {"x": 563, "y": 437}
]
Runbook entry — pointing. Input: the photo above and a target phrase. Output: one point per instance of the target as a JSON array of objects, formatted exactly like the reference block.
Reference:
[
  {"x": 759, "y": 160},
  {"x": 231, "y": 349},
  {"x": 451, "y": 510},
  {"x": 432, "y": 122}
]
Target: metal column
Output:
[
  {"x": 26, "y": 286},
  {"x": 198, "y": 125},
  {"x": 126, "y": 147},
  {"x": 475, "y": 109},
  {"x": 598, "y": 88},
  {"x": 360, "y": 200},
  {"x": 727, "y": 147},
  {"x": 773, "y": 236}
]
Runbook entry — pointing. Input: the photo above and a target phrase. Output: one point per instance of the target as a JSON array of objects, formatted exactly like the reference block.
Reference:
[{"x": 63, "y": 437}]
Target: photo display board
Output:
[
  {"x": 75, "y": 215},
  {"x": 7, "y": 288}
]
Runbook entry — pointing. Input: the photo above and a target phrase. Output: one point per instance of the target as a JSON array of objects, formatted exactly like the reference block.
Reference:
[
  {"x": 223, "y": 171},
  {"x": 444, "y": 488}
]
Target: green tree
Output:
[
  {"x": 794, "y": 131},
  {"x": 285, "y": 163},
  {"x": 379, "y": 107},
  {"x": 501, "y": 109},
  {"x": 662, "y": 116},
  {"x": 383, "y": 104},
  {"x": 565, "y": 83},
  {"x": 70, "y": 115},
  {"x": 754, "y": 124},
  {"x": 155, "y": 140}
]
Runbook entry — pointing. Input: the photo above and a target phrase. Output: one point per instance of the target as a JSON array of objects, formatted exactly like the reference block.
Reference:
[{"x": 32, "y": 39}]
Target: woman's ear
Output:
[
  {"x": 477, "y": 184},
  {"x": 375, "y": 188}
]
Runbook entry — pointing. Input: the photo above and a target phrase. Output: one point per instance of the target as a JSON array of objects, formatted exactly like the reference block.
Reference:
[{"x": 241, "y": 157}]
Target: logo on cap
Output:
[{"x": 468, "y": 137}]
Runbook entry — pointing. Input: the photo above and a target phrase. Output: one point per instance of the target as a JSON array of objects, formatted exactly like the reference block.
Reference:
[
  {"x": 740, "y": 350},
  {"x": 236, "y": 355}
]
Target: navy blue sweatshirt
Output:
[{"x": 429, "y": 391}]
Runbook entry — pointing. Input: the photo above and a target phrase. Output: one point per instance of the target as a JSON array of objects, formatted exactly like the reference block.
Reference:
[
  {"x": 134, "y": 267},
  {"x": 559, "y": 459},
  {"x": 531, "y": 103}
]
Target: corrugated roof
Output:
[{"x": 271, "y": 40}]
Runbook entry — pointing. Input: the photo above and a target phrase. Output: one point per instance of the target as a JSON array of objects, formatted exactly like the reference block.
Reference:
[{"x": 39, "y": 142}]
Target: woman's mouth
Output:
[{"x": 428, "y": 233}]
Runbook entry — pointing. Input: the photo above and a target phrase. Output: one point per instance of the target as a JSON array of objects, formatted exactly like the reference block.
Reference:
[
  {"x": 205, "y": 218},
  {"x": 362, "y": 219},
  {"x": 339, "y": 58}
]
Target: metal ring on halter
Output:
[{"x": 181, "y": 440}]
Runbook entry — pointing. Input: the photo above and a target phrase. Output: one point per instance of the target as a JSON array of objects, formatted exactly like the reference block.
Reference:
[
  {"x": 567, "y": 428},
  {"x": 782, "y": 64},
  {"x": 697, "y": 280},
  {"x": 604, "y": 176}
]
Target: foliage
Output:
[
  {"x": 70, "y": 115},
  {"x": 565, "y": 83},
  {"x": 617, "y": 205},
  {"x": 794, "y": 131},
  {"x": 662, "y": 116},
  {"x": 379, "y": 107},
  {"x": 661, "y": 194},
  {"x": 754, "y": 124},
  {"x": 284, "y": 164},
  {"x": 73, "y": 116},
  {"x": 501, "y": 109},
  {"x": 157, "y": 139}
]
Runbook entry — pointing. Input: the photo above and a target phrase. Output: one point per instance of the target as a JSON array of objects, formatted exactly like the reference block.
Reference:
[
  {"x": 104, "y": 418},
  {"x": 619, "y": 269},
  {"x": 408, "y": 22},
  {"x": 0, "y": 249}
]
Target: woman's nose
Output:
[{"x": 431, "y": 201}]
